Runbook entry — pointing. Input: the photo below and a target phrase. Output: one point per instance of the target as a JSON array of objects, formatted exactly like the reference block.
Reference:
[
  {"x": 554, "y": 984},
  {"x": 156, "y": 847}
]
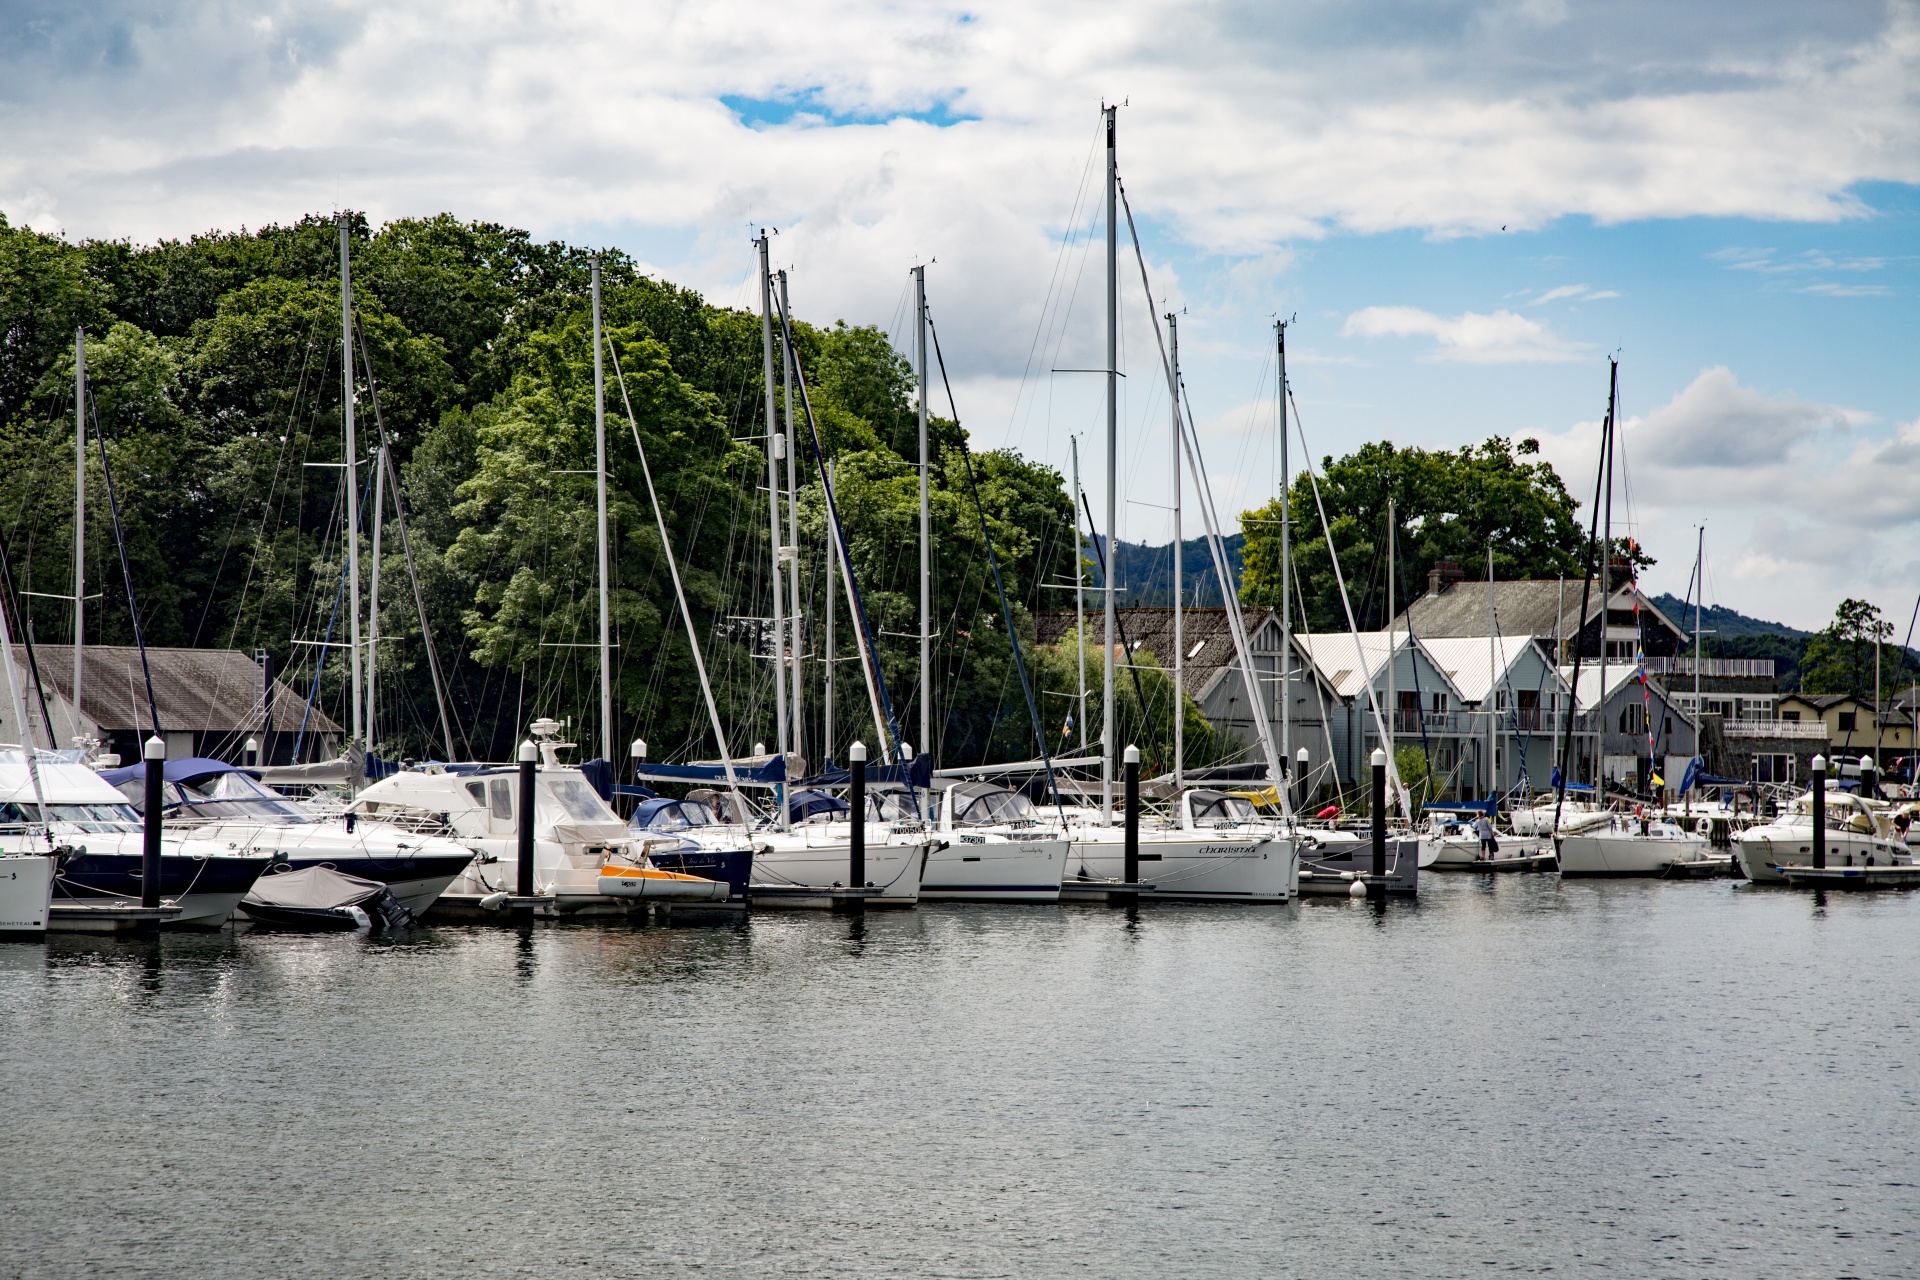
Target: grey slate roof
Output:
[
  {"x": 208, "y": 690},
  {"x": 1540, "y": 607},
  {"x": 1206, "y": 632}
]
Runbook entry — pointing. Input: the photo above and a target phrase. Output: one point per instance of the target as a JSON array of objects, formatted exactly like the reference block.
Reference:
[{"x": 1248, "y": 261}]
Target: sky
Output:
[{"x": 1462, "y": 208}]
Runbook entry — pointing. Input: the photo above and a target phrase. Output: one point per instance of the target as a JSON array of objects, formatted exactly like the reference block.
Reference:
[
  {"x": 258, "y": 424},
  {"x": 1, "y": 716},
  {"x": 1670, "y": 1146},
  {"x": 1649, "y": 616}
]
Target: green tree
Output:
[
  {"x": 1448, "y": 505},
  {"x": 1841, "y": 658}
]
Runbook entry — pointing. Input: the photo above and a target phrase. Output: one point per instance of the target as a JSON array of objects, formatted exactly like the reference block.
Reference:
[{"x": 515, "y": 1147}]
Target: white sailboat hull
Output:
[
  {"x": 991, "y": 868},
  {"x": 820, "y": 856},
  {"x": 26, "y": 894},
  {"x": 1624, "y": 853},
  {"x": 1192, "y": 868}
]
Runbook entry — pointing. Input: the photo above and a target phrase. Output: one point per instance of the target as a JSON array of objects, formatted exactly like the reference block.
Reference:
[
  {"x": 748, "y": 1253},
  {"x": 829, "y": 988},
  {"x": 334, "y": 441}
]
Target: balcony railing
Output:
[
  {"x": 1730, "y": 668},
  {"x": 1785, "y": 730}
]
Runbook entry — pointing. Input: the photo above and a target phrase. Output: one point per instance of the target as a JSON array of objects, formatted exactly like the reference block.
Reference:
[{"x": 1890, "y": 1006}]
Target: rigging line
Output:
[
  {"x": 266, "y": 506},
  {"x": 126, "y": 568},
  {"x": 1586, "y": 589},
  {"x": 1339, "y": 578},
  {"x": 33, "y": 662},
  {"x": 1188, "y": 437},
  {"x": 869, "y": 650},
  {"x": 1153, "y": 734},
  {"x": 1041, "y": 326},
  {"x": 679, "y": 593},
  {"x": 406, "y": 544},
  {"x": 1006, "y": 610}
]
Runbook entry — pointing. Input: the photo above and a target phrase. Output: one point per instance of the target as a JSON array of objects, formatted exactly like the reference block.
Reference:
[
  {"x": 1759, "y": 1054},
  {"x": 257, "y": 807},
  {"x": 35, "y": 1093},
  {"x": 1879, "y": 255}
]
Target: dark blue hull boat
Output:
[{"x": 206, "y": 889}]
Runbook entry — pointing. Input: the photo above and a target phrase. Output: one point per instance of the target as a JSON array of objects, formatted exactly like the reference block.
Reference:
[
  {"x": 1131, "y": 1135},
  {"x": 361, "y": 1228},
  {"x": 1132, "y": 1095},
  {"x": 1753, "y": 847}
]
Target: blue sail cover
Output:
[
  {"x": 917, "y": 773},
  {"x": 770, "y": 773}
]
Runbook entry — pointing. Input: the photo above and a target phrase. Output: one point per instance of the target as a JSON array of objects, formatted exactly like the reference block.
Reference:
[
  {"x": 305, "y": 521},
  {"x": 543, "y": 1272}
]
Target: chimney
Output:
[{"x": 1443, "y": 575}]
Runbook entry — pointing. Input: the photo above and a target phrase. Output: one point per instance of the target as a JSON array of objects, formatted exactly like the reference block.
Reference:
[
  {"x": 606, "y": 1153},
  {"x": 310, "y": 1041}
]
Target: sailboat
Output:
[
  {"x": 1621, "y": 845},
  {"x": 1254, "y": 862}
]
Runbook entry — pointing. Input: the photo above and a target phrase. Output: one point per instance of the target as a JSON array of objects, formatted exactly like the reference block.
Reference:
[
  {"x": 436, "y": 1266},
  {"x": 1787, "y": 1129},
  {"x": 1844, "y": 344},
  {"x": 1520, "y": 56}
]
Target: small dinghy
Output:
[{"x": 321, "y": 898}]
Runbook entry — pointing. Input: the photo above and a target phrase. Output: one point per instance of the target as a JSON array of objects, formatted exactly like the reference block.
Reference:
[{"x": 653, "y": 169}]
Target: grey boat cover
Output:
[
  {"x": 314, "y": 888},
  {"x": 349, "y": 767}
]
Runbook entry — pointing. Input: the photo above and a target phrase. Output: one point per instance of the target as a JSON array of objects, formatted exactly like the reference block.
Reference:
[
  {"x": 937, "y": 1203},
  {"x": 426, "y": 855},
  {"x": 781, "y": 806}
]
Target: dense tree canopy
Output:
[
  {"x": 216, "y": 370},
  {"x": 1447, "y": 505}
]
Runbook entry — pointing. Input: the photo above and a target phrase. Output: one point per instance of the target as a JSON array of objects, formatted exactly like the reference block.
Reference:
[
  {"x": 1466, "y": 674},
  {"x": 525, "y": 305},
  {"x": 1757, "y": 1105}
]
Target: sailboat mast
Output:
[
  {"x": 79, "y": 518},
  {"x": 926, "y": 545},
  {"x": 1113, "y": 469},
  {"x": 774, "y": 442},
  {"x": 1286, "y": 570},
  {"x": 373, "y": 588},
  {"x": 1493, "y": 684},
  {"x": 353, "y": 482},
  {"x": 600, "y": 499},
  {"x": 826, "y": 664},
  {"x": 1393, "y": 699},
  {"x": 1079, "y": 597},
  {"x": 1699, "y": 600},
  {"x": 794, "y": 611},
  {"x": 1606, "y": 585},
  {"x": 1179, "y": 631}
]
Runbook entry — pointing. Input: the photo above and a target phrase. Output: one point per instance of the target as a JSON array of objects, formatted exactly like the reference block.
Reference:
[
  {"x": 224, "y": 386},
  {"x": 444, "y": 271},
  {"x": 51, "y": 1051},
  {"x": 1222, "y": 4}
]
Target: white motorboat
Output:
[
  {"x": 576, "y": 837},
  {"x": 1628, "y": 846},
  {"x": 1860, "y": 833},
  {"x": 1221, "y": 850},
  {"x": 224, "y": 805},
  {"x": 992, "y": 846},
  {"x": 26, "y": 893},
  {"x": 99, "y": 843}
]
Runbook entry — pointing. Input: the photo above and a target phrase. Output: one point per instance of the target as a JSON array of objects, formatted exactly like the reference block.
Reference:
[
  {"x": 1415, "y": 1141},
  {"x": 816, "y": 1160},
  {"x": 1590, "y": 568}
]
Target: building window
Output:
[
  {"x": 1773, "y": 768},
  {"x": 1848, "y": 721},
  {"x": 1633, "y": 720},
  {"x": 1791, "y": 717}
]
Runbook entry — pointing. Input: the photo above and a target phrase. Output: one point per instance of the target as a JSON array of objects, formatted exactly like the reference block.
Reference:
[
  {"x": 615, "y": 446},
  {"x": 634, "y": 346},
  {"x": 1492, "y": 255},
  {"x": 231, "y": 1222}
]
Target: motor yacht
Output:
[
  {"x": 1860, "y": 833},
  {"x": 1629, "y": 846},
  {"x": 585, "y": 859},
  {"x": 1218, "y": 849},
  {"x": 224, "y": 805},
  {"x": 99, "y": 841}
]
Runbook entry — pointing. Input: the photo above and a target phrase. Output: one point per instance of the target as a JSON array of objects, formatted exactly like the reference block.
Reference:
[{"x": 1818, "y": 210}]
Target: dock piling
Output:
[
  {"x": 523, "y": 883},
  {"x": 857, "y": 797},
  {"x": 1819, "y": 774},
  {"x": 1379, "y": 881},
  {"x": 1130, "y": 868},
  {"x": 154, "y": 801}
]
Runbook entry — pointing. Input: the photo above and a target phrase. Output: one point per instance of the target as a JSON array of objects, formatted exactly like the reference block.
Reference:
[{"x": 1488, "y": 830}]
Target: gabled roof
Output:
[
  {"x": 1619, "y": 674},
  {"x": 1538, "y": 607},
  {"x": 1473, "y": 663},
  {"x": 208, "y": 690},
  {"x": 1348, "y": 662},
  {"x": 1206, "y": 634}
]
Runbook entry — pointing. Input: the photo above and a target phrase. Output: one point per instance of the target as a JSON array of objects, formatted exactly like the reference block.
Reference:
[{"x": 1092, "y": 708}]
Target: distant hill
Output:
[
  {"x": 1146, "y": 572},
  {"x": 1724, "y": 623}
]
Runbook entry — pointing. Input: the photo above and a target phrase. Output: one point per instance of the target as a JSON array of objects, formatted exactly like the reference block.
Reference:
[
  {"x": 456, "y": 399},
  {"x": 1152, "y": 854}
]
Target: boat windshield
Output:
[
  {"x": 1219, "y": 808},
  {"x": 232, "y": 795},
  {"x": 580, "y": 802},
  {"x": 679, "y": 817},
  {"x": 889, "y": 806},
  {"x": 87, "y": 817},
  {"x": 992, "y": 808}
]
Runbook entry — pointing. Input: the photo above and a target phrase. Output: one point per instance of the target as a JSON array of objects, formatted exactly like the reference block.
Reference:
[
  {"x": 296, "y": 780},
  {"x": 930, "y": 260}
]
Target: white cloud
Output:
[
  {"x": 1564, "y": 291},
  {"x": 1503, "y": 337},
  {"x": 1831, "y": 290},
  {"x": 1715, "y": 422}
]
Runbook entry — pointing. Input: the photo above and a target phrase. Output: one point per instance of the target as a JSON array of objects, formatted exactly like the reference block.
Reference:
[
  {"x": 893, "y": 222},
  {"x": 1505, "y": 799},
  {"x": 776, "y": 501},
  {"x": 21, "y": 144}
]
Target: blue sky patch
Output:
[{"x": 809, "y": 106}]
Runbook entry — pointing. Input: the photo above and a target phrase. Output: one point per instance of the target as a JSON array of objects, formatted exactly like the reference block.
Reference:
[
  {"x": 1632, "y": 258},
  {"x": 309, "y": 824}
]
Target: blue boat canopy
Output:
[{"x": 189, "y": 769}]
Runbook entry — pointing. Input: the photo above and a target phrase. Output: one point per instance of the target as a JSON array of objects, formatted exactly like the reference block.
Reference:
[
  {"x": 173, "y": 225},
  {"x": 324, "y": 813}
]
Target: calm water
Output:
[{"x": 1634, "y": 1079}]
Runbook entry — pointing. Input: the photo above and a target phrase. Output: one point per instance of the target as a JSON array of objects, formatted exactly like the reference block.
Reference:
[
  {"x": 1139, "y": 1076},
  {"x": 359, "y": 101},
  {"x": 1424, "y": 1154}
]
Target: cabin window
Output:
[
  {"x": 478, "y": 790},
  {"x": 500, "y": 794},
  {"x": 580, "y": 801}
]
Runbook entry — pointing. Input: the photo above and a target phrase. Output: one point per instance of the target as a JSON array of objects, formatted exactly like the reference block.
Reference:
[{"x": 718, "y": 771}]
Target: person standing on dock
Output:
[{"x": 1483, "y": 827}]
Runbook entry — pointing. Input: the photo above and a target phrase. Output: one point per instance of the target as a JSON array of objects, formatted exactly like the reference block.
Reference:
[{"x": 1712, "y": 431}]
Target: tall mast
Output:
[
  {"x": 1700, "y": 586},
  {"x": 774, "y": 450},
  {"x": 1179, "y": 631},
  {"x": 600, "y": 498},
  {"x": 1493, "y": 684},
  {"x": 353, "y": 482},
  {"x": 826, "y": 664},
  {"x": 794, "y": 612},
  {"x": 1113, "y": 470},
  {"x": 1286, "y": 569},
  {"x": 373, "y": 588},
  {"x": 926, "y": 545},
  {"x": 1079, "y": 596},
  {"x": 1393, "y": 701},
  {"x": 1606, "y": 586},
  {"x": 79, "y": 517}
]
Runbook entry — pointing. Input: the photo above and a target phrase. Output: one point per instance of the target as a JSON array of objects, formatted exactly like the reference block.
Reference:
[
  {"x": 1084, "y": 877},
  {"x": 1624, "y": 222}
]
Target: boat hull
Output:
[
  {"x": 734, "y": 867},
  {"x": 205, "y": 889},
  {"x": 1516, "y": 854},
  {"x": 1331, "y": 867},
  {"x": 656, "y": 885},
  {"x": 992, "y": 869},
  {"x": 805, "y": 859},
  {"x": 1761, "y": 851},
  {"x": 26, "y": 895},
  {"x": 1191, "y": 869},
  {"x": 1620, "y": 854}
]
